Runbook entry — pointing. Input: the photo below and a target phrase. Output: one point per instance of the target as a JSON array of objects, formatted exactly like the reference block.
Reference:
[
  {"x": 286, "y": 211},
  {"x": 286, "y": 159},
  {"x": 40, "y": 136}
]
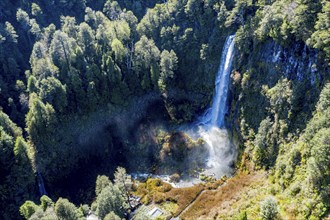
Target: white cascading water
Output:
[{"x": 222, "y": 153}]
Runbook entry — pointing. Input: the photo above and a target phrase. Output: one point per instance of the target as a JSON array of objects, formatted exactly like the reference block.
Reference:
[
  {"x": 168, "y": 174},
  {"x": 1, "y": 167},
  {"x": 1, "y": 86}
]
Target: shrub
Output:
[
  {"x": 84, "y": 209},
  {"x": 175, "y": 177},
  {"x": 159, "y": 197},
  {"x": 268, "y": 209},
  {"x": 111, "y": 216},
  {"x": 165, "y": 188},
  {"x": 28, "y": 209},
  {"x": 66, "y": 210},
  {"x": 242, "y": 216},
  {"x": 46, "y": 202}
]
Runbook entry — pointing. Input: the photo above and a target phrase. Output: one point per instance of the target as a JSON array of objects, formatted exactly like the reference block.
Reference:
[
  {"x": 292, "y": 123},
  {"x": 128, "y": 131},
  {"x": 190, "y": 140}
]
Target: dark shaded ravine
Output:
[{"x": 110, "y": 138}]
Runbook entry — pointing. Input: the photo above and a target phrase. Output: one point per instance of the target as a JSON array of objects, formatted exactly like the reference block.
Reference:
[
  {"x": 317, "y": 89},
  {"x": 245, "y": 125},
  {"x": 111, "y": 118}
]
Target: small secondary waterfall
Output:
[
  {"x": 41, "y": 185},
  {"x": 222, "y": 152}
]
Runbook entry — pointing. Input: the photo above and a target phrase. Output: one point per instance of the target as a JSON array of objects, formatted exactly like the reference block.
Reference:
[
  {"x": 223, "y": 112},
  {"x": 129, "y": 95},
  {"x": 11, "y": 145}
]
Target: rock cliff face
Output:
[
  {"x": 267, "y": 67},
  {"x": 296, "y": 62}
]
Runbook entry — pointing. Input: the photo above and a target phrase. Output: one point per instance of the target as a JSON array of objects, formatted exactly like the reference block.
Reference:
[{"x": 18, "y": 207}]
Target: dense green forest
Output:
[{"x": 86, "y": 86}]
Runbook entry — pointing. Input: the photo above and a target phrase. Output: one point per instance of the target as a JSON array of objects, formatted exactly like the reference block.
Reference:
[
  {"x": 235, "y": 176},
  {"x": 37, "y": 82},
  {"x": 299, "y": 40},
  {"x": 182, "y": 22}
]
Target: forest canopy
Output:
[{"x": 67, "y": 67}]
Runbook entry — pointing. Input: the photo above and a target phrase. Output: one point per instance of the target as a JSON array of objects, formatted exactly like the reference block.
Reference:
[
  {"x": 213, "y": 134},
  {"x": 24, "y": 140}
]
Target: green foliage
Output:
[
  {"x": 324, "y": 100},
  {"x": 264, "y": 143},
  {"x": 6, "y": 148},
  {"x": 65, "y": 210},
  {"x": 319, "y": 38},
  {"x": 84, "y": 209},
  {"x": 124, "y": 182},
  {"x": 112, "y": 216},
  {"x": 268, "y": 209},
  {"x": 241, "y": 216},
  {"x": 23, "y": 18},
  {"x": 31, "y": 86},
  {"x": 302, "y": 165},
  {"x": 69, "y": 26},
  {"x": 180, "y": 153},
  {"x": 39, "y": 118},
  {"x": 101, "y": 183},
  {"x": 112, "y": 9},
  {"x": 47, "y": 209},
  {"x": 11, "y": 33},
  {"x": 61, "y": 49},
  {"x": 147, "y": 56},
  {"x": 193, "y": 7},
  {"x": 237, "y": 15},
  {"x": 112, "y": 51},
  {"x": 270, "y": 23},
  {"x": 318, "y": 163},
  {"x": 36, "y": 10},
  {"x": 53, "y": 92},
  {"x": 16, "y": 169},
  {"x": 46, "y": 202},
  {"x": 8, "y": 126},
  {"x": 21, "y": 149},
  {"x": 40, "y": 214},
  {"x": 168, "y": 64},
  {"x": 280, "y": 98},
  {"x": 28, "y": 209},
  {"x": 111, "y": 199},
  {"x": 119, "y": 49},
  {"x": 86, "y": 39}
]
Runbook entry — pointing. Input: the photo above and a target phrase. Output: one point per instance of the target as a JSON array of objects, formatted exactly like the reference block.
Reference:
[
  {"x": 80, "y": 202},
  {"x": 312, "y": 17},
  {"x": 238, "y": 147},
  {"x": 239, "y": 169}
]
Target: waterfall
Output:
[
  {"x": 216, "y": 114},
  {"x": 222, "y": 83},
  {"x": 41, "y": 185},
  {"x": 222, "y": 153},
  {"x": 210, "y": 126}
]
